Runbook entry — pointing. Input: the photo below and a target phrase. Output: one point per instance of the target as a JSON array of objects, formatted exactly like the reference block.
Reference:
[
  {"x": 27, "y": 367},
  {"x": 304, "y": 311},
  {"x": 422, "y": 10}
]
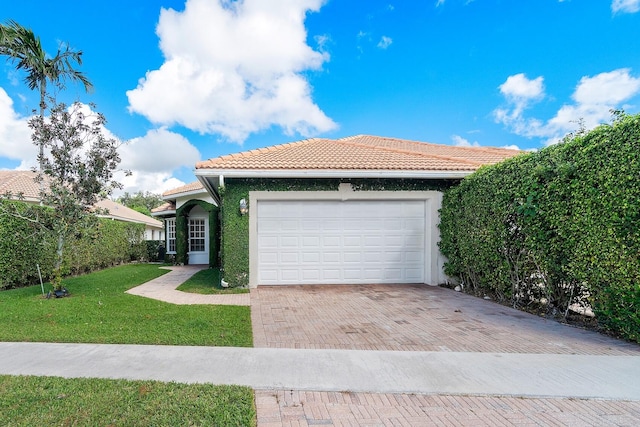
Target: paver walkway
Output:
[{"x": 163, "y": 288}]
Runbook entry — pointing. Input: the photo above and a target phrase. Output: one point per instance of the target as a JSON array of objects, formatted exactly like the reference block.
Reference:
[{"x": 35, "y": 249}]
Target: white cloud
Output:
[
  {"x": 15, "y": 134},
  {"x": 593, "y": 97},
  {"x": 385, "y": 42},
  {"x": 156, "y": 182},
  {"x": 625, "y": 6},
  {"x": 439, "y": 3},
  {"x": 518, "y": 88},
  {"x": 153, "y": 158},
  {"x": 459, "y": 141},
  {"x": 607, "y": 88},
  {"x": 158, "y": 151},
  {"x": 234, "y": 68}
]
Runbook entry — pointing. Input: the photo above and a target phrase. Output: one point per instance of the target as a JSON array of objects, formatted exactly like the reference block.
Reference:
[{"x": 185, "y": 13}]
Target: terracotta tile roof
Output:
[
  {"x": 123, "y": 213},
  {"x": 194, "y": 186},
  {"x": 362, "y": 152},
  {"x": 16, "y": 182},
  {"x": 19, "y": 182},
  {"x": 168, "y": 206}
]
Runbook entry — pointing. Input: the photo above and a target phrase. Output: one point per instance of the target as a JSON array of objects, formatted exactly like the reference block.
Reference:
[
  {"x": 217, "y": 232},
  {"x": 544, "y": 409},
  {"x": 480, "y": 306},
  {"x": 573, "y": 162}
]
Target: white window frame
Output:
[
  {"x": 171, "y": 235},
  {"x": 197, "y": 233}
]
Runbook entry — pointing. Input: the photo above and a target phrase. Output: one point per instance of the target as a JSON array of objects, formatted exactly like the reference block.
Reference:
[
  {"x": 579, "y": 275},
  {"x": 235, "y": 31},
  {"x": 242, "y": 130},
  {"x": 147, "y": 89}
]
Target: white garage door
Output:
[{"x": 333, "y": 242}]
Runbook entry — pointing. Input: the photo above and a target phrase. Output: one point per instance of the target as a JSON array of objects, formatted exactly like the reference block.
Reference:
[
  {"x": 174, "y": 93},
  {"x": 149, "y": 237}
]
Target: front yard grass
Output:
[
  {"x": 41, "y": 401},
  {"x": 98, "y": 311},
  {"x": 208, "y": 282}
]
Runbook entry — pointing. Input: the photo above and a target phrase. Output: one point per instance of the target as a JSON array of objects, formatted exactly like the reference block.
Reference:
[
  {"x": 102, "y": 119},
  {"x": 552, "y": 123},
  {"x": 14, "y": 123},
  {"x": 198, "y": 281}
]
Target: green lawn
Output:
[
  {"x": 208, "y": 282},
  {"x": 47, "y": 401},
  {"x": 98, "y": 311}
]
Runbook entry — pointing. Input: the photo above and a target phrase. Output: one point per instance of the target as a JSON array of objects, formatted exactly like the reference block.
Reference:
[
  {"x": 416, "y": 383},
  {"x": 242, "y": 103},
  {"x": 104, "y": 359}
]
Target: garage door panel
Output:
[
  {"x": 311, "y": 275},
  {"x": 331, "y": 257},
  {"x": 289, "y": 274},
  {"x": 311, "y": 257},
  {"x": 288, "y": 242},
  {"x": 268, "y": 241},
  {"x": 352, "y": 274},
  {"x": 352, "y": 241},
  {"x": 374, "y": 257},
  {"x": 340, "y": 242},
  {"x": 352, "y": 257},
  {"x": 311, "y": 242},
  {"x": 331, "y": 241},
  {"x": 310, "y": 225},
  {"x": 331, "y": 275},
  {"x": 393, "y": 274},
  {"x": 289, "y": 258},
  {"x": 267, "y": 258}
]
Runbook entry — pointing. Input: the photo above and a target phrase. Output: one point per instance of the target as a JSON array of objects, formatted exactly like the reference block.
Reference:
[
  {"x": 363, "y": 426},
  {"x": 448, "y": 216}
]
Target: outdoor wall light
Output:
[{"x": 244, "y": 209}]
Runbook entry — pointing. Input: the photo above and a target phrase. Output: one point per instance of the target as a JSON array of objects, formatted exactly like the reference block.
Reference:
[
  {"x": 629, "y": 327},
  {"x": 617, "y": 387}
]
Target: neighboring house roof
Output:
[
  {"x": 359, "y": 153},
  {"x": 188, "y": 188},
  {"x": 123, "y": 213},
  {"x": 165, "y": 208},
  {"x": 22, "y": 183}
]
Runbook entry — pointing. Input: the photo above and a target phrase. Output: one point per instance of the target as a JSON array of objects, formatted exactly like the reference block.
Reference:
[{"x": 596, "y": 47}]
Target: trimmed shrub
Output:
[
  {"x": 556, "y": 228},
  {"x": 25, "y": 244}
]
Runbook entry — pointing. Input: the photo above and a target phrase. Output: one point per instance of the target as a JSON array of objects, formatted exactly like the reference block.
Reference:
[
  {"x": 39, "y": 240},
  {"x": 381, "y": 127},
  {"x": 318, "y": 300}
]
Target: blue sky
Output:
[{"x": 186, "y": 80}]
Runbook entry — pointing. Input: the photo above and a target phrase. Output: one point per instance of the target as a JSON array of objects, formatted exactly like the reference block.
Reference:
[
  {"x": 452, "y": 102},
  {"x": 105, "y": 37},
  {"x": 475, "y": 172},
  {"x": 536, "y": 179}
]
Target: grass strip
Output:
[
  {"x": 208, "y": 282},
  {"x": 98, "y": 311},
  {"x": 40, "y": 401}
]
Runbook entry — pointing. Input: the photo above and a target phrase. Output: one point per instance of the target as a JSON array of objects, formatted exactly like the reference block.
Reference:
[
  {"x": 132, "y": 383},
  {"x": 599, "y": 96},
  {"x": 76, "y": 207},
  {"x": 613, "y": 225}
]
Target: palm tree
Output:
[{"x": 23, "y": 47}]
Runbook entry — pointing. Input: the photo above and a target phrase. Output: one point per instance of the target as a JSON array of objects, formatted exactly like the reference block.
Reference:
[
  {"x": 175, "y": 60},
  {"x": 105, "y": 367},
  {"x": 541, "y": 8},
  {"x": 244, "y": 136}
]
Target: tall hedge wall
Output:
[
  {"x": 23, "y": 244},
  {"x": 555, "y": 227},
  {"x": 235, "y": 228}
]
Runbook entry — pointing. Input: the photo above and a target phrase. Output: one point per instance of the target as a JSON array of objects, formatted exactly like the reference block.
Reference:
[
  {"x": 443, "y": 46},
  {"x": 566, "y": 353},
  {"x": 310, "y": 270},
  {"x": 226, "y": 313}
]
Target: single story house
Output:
[
  {"x": 21, "y": 185},
  {"x": 356, "y": 210}
]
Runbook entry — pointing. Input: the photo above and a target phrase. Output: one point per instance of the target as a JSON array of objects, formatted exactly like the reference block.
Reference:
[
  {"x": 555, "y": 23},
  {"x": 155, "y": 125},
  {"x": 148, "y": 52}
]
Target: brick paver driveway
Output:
[
  {"x": 420, "y": 318},
  {"x": 411, "y": 318}
]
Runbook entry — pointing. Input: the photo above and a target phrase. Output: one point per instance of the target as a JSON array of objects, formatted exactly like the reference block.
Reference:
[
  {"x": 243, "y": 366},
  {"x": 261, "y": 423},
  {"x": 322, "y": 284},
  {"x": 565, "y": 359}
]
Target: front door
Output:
[{"x": 198, "y": 240}]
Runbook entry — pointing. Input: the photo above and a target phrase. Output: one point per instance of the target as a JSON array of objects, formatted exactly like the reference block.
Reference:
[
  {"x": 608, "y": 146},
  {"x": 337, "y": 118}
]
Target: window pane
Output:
[
  {"x": 171, "y": 235},
  {"x": 196, "y": 235}
]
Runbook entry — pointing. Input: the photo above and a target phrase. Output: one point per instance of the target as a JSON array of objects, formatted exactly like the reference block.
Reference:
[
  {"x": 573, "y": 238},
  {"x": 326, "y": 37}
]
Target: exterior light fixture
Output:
[{"x": 244, "y": 209}]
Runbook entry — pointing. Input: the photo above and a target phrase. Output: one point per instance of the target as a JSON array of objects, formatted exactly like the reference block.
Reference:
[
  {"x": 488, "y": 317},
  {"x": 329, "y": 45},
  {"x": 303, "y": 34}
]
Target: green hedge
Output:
[
  {"x": 23, "y": 245},
  {"x": 555, "y": 227},
  {"x": 235, "y": 227}
]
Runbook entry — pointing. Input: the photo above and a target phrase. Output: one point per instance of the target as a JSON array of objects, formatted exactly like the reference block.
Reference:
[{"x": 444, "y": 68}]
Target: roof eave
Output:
[
  {"x": 171, "y": 212},
  {"x": 135, "y": 221},
  {"x": 332, "y": 173},
  {"x": 174, "y": 196}
]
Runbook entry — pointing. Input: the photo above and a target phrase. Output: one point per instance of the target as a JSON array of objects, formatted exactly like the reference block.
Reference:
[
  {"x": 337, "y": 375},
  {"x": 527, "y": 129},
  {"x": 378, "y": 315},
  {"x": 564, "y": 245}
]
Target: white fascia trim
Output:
[
  {"x": 211, "y": 188},
  {"x": 164, "y": 213},
  {"x": 186, "y": 193},
  {"x": 331, "y": 173},
  {"x": 134, "y": 221}
]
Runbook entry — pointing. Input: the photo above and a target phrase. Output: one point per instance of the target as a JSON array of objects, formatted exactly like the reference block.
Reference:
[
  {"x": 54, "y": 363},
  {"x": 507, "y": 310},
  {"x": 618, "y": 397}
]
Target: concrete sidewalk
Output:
[
  {"x": 469, "y": 374},
  {"x": 163, "y": 288}
]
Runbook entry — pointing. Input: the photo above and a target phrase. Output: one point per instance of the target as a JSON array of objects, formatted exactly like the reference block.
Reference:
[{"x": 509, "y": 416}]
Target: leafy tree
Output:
[
  {"x": 24, "y": 48},
  {"x": 142, "y": 202},
  {"x": 77, "y": 168}
]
